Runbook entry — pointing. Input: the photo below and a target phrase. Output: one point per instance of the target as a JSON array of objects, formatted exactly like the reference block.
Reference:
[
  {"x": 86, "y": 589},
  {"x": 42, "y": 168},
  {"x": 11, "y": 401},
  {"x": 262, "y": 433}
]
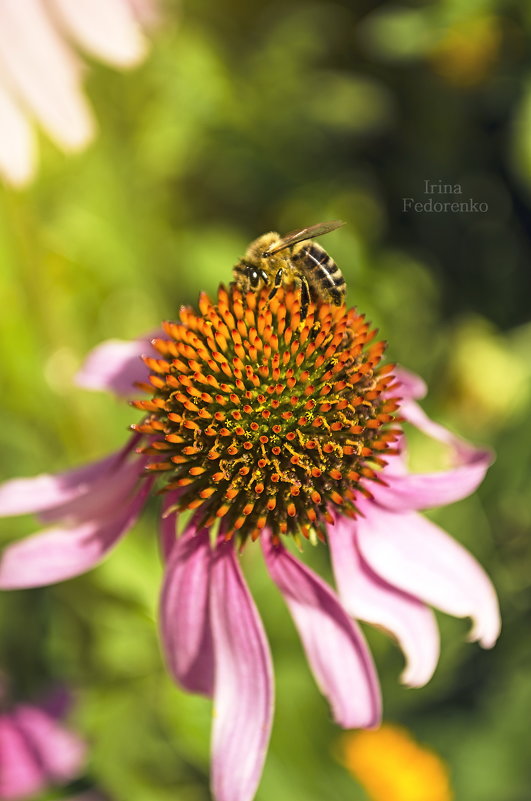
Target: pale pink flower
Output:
[
  {"x": 41, "y": 75},
  {"x": 390, "y": 563},
  {"x": 37, "y": 752}
]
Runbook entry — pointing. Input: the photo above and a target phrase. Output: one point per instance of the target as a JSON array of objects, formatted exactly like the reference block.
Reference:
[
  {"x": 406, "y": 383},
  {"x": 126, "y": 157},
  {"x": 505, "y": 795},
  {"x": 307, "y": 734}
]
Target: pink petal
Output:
[
  {"x": 104, "y": 496},
  {"x": 412, "y": 385},
  {"x": 396, "y": 463},
  {"x": 17, "y": 142},
  {"x": 115, "y": 366},
  {"x": 61, "y": 553},
  {"x": 367, "y": 597},
  {"x": 418, "y": 557},
  {"x": 243, "y": 691},
  {"x": 59, "y": 751},
  {"x": 184, "y": 613},
  {"x": 26, "y": 495},
  {"x": 146, "y": 11},
  {"x": 20, "y": 776},
  {"x": 427, "y": 490},
  {"x": 334, "y": 646},
  {"x": 418, "y": 417},
  {"x": 423, "y": 491},
  {"x": 106, "y": 28},
  {"x": 44, "y": 72}
]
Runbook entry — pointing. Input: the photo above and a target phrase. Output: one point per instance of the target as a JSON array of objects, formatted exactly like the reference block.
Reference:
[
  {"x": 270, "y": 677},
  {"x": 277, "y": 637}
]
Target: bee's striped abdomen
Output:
[{"x": 322, "y": 271}]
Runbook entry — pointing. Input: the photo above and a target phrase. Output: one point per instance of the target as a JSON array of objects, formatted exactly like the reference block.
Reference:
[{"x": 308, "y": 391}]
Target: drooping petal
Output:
[
  {"x": 17, "y": 142},
  {"x": 418, "y": 557},
  {"x": 21, "y": 496},
  {"x": 115, "y": 366},
  {"x": 21, "y": 776},
  {"x": 243, "y": 691},
  {"x": 335, "y": 647},
  {"x": 106, "y": 28},
  {"x": 415, "y": 415},
  {"x": 412, "y": 385},
  {"x": 44, "y": 72},
  {"x": 406, "y": 491},
  {"x": 103, "y": 498},
  {"x": 427, "y": 490},
  {"x": 60, "y": 553},
  {"x": 185, "y": 615},
  {"x": 367, "y": 597},
  {"x": 59, "y": 751},
  {"x": 407, "y": 386}
]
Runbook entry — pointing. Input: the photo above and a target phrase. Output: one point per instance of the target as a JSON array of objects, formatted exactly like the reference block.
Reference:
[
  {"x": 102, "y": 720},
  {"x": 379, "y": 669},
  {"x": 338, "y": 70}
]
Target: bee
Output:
[{"x": 273, "y": 261}]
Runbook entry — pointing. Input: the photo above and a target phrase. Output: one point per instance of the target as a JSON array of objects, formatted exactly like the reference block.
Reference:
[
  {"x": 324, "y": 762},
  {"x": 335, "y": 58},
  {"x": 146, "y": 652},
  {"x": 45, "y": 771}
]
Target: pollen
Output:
[{"x": 267, "y": 422}]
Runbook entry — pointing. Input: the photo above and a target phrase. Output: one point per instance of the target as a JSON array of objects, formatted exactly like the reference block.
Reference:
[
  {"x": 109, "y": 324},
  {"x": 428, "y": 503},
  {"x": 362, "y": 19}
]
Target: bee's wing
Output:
[{"x": 303, "y": 233}]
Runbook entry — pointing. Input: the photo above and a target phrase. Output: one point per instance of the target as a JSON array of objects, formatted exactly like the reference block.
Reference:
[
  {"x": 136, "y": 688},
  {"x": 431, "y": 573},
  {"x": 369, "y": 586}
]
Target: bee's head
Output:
[
  {"x": 257, "y": 269},
  {"x": 255, "y": 276}
]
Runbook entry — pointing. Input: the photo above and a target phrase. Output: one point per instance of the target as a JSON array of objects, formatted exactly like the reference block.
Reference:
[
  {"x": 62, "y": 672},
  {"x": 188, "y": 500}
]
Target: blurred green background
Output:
[{"x": 245, "y": 118}]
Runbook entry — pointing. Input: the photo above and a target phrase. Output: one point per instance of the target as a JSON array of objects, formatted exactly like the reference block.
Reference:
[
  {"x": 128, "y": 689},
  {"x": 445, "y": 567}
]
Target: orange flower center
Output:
[{"x": 262, "y": 421}]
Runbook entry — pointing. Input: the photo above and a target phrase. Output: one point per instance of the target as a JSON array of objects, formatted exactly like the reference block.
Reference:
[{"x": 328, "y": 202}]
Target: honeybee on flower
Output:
[
  {"x": 293, "y": 260},
  {"x": 268, "y": 418}
]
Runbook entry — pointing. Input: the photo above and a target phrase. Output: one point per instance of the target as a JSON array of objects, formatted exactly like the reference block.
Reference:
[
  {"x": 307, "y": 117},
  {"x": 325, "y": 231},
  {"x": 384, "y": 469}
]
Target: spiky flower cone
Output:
[{"x": 264, "y": 421}]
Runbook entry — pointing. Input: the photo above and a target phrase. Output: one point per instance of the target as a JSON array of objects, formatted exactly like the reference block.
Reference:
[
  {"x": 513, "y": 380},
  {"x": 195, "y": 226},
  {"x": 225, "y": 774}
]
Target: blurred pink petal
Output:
[
  {"x": 367, "y": 597},
  {"x": 21, "y": 776},
  {"x": 41, "y": 75},
  {"x": 243, "y": 691},
  {"x": 412, "y": 385},
  {"x": 58, "y": 553},
  {"x": 17, "y": 142},
  {"x": 184, "y": 613},
  {"x": 146, "y": 11},
  {"x": 110, "y": 488},
  {"x": 115, "y": 366},
  {"x": 27, "y": 495},
  {"x": 106, "y": 28},
  {"x": 36, "y": 751},
  {"x": 334, "y": 646},
  {"x": 418, "y": 557},
  {"x": 44, "y": 72},
  {"x": 60, "y": 751}
]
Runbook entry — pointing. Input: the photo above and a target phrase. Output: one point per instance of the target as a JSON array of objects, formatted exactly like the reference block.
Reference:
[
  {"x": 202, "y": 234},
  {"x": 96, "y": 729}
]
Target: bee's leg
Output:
[
  {"x": 277, "y": 283},
  {"x": 305, "y": 297}
]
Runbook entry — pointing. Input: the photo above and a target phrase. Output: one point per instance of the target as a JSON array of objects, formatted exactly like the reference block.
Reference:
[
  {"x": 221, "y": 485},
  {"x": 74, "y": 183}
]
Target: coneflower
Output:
[{"x": 263, "y": 427}]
